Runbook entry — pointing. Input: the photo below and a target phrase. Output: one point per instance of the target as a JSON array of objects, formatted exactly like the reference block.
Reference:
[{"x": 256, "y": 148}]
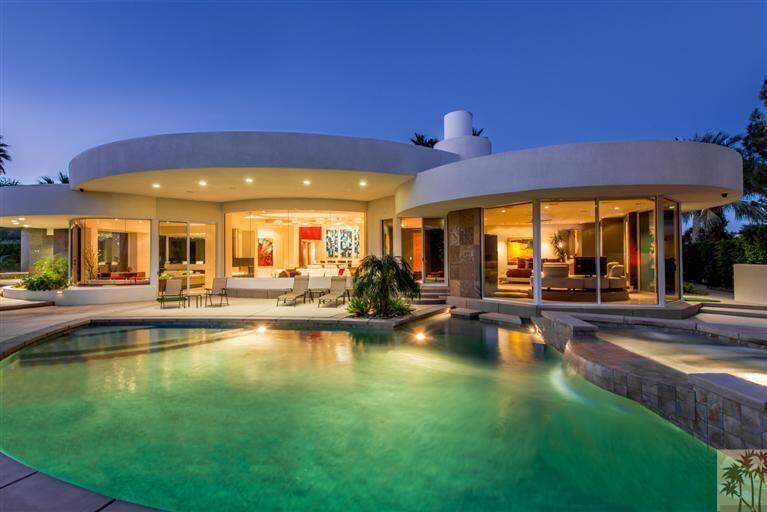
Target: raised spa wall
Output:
[{"x": 720, "y": 409}]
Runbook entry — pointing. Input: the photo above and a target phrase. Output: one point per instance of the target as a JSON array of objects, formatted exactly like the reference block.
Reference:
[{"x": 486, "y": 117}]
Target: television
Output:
[{"x": 587, "y": 266}]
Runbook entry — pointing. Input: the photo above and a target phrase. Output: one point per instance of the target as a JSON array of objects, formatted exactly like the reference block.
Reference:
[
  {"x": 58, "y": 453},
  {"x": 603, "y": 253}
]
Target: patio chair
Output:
[
  {"x": 173, "y": 293},
  {"x": 337, "y": 291},
  {"x": 300, "y": 290},
  {"x": 218, "y": 290}
]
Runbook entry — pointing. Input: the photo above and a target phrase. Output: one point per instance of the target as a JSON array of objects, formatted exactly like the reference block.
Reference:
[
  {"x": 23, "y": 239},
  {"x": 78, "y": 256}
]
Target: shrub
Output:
[
  {"x": 49, "y": 274},
  {"x": 383, "y": 282},
  {"x": 358, "y": 306},
  {"x": 398, "y": 307}
]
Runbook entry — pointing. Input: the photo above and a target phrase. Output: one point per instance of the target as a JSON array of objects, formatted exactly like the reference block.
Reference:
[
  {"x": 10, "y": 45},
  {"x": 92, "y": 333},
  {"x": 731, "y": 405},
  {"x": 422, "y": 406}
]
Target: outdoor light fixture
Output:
[
  {"x": 202, "y": 183},
  {"x": 261, "y": 329},
  {"x": 307, "y": 182},
  {"x": 248, "y": 180},
  {"x": 155, "y": 185}
]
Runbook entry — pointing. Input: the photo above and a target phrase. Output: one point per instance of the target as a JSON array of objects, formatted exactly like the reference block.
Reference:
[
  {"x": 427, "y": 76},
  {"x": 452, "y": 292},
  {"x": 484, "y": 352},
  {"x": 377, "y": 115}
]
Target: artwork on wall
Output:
[
  {"x": 265, "y": 252},
  {"x": 342, "y": 243},
  {"x": 518, "y": 248}
]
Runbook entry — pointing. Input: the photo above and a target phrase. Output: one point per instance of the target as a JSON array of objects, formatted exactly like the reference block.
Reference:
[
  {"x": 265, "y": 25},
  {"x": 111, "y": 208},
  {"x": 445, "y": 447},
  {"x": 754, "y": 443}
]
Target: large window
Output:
[
  {"x": 188, "y": 252},
  {"x": 628, "y": 250},
  {"x": 671, "y": 248},
  {"x": 274, "y": 243},
  {"x": 110, "y": 251},
  {"x": 508, "y": 252},
  {"x": 568, "y": 251}
]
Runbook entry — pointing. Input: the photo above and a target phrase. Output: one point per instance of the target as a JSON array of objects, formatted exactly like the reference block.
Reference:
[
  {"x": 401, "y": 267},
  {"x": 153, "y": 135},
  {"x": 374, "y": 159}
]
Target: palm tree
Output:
[
  {"x": 419, "y": 139},
  {"x": 382, "y": 281},
  {"x": 752, "y": 206},
  {"x": 62, "y": 177},
  {"x": 8, "y": 182},
  {"x": 4, "y": 155},
  {"x": 476, "y": 132}
]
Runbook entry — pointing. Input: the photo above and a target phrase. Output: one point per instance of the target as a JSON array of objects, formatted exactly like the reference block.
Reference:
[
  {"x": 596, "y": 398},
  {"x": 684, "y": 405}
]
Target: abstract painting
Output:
[{"x": 265, "y": 252}]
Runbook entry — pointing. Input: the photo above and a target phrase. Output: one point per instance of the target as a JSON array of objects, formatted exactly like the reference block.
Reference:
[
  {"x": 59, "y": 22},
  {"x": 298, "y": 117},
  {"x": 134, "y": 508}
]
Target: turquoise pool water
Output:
[{"x": 473, "y": 418}]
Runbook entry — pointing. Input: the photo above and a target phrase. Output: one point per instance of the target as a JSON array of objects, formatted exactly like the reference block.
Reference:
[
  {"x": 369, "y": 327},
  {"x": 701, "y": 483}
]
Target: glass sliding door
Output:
[
  {"x": 671, "y": 249},
  {"x": 627, "y": 233},
  {"x": 508, "y": 252},
  {"x": 412, "y": 245},
  {"x": 188, "y": 252},
  {"x": 433, "y": 250}
]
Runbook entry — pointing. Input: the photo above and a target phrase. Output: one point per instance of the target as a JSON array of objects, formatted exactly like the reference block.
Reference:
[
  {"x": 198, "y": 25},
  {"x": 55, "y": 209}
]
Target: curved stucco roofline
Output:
[
  {"x": 253, "y": 150},
  {"x": 696, "y": 174}
]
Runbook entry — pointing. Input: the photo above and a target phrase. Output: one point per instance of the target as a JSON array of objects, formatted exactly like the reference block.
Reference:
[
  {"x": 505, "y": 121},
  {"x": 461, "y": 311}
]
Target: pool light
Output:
[
  {"x": 420, "y": 336},
  {"x": 261, "y": 329}
]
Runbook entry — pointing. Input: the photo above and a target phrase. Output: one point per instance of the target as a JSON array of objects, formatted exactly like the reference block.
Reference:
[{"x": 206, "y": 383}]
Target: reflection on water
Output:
[{"x": 474, "y": 417}]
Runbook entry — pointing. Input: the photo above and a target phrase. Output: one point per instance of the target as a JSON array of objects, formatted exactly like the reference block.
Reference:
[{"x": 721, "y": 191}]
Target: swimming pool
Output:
[{"x": 475, "y": 417}]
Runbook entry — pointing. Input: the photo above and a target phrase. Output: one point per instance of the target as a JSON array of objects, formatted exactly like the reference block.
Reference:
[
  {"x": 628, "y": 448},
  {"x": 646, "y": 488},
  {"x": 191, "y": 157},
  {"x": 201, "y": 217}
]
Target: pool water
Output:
[{"x": 474, "y": 417}]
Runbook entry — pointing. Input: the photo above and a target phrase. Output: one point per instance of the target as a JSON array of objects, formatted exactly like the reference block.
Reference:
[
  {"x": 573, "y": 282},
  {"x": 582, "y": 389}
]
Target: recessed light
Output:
[
  {"x": 26, "y": 225},
  {"x": 503, "y": 211},
  {"x": 116, "y": 220},
  {"x": 22, "y": 218},
  {"x": 202, "y": 183},
  {"x": 248, "y": 180},
  {"x": 617, "y": 208},
  {"x": 307, "y": 182},
  {"x": 363, "y": 183},
  {"x": 155, "y": 185}
]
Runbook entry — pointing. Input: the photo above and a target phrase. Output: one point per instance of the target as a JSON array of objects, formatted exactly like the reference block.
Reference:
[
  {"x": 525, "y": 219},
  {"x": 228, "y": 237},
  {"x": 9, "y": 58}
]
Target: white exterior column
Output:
[
  {"x": 660, "y": 259},
  {"x": 154, "y": 252},
  {"x": 537, "y": 265},
  {"x": 598, "y": 249}
]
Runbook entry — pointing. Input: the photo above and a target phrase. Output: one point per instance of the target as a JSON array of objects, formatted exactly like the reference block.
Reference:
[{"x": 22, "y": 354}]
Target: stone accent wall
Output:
[
  {"x": 721, "y": 410},
  {"x": 464, "y": 252}
]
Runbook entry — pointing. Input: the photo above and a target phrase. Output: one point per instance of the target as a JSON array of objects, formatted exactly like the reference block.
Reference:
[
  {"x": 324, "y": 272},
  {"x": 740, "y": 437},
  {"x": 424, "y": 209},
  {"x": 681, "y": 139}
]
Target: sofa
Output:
[{"x": 557, "y": 275}]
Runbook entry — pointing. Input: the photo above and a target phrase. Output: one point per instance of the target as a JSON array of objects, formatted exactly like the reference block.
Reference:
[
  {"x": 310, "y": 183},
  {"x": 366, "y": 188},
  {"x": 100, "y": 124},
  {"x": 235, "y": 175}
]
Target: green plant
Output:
[
  {"x": 91, "y": 263},
  {"x": 164, "y": 276},
  {"x": 419, "y": 139},
  {"x": 382, "y": 281},
  {"x": 399, "y": 307},
  {"x": 749, "y": 471},
  {"x": 559, "y": 246},
  {"x": 690, "y": 289},
  {"x": 50, "y": 274},
  {"x": 358, "y": 306}
]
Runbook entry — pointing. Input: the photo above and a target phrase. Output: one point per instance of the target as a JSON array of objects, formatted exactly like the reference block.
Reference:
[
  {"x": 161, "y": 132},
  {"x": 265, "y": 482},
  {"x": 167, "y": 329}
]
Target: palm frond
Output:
[
  {"x": 4, "y": 155},
  {"x": 45, "y": 180},
  {"x": 477, "y": 133}
]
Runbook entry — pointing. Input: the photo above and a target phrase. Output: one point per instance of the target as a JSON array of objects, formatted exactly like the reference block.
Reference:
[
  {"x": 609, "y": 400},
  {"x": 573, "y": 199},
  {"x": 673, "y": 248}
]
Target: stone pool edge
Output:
[{"x": 719, "y": 409}]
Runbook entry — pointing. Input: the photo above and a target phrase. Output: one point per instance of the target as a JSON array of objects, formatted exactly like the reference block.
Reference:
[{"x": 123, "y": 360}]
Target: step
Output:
[
  {"x": 725, "y": 305},
  {"x": 743, "y": 313},
  {"x": 465, "y": 313},
  {"x": 428, "y": 300},
  {"x": 500, "y": 319}
]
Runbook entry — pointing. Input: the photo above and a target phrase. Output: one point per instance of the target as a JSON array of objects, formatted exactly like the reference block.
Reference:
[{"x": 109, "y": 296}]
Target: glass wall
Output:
[
  {"x": 188, "y": 252},
  {"x": 568, "y": 251},
  {"x": 671, "y": 249},
  {"x": 627, "y": 239},
  {"x": 592, "y": 251},
  {"x": 283, "y": 243},
  {"x": 508, "y": 252},
  {"x": 434, "y": 250},
  {"x": 110, "y": 251},
  {"x": 412, "y": 245}
]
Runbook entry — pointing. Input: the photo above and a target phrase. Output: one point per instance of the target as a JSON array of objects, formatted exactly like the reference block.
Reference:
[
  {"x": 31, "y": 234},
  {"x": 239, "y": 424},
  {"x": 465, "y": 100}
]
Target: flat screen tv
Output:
[{"x": 587, "y": 266}]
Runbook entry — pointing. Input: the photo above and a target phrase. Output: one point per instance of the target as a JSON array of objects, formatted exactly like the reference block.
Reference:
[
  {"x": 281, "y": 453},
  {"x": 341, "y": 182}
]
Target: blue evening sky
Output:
[{"x": 77, "y": 74}]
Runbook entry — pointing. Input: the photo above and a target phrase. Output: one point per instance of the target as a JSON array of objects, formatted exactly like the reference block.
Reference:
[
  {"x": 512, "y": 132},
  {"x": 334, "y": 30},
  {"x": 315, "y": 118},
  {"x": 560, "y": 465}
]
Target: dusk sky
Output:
[{"x": 77, "y": 74}]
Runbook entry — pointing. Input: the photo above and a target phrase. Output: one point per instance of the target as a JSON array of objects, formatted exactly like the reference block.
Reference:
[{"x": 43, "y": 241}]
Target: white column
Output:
[
  {"x": 660, "y": 260},
  {"x": 537, "y": 265},
  {"x": 154, "y": 252},
  {"x": 598, "y": 250}
]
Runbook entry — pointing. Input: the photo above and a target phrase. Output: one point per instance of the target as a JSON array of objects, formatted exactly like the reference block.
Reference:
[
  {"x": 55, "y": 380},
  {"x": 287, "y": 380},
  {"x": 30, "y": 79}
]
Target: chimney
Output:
[{"x": 459, "y": 139}]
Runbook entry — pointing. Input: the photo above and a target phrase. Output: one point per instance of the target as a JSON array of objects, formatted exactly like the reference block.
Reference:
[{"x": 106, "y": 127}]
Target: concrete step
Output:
[
  {"x": 725, "y": 305},
  {"x": 465, "y": 313},
  {"x": 743, "y": 313},
  {"x": 500, "y": 319},
  {"x": 429, "y": 300}
]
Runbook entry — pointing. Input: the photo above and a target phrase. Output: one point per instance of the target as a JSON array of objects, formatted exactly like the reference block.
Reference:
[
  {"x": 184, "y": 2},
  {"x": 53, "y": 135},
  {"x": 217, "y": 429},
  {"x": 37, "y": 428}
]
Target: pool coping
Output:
[{"x": 720, "y": 409}]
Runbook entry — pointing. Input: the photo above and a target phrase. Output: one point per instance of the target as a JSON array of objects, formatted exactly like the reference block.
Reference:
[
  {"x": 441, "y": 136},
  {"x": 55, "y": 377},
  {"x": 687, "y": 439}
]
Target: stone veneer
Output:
[
  {"x": 464, "y": 252},
  {"x": 721, "y": 410}
]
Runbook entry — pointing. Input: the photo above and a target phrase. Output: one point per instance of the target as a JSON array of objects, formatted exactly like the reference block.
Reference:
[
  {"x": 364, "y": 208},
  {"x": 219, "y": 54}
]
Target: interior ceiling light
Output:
[
  {"x": 202, "y": 183},
  {"x": 248, "y": 180},
  {"x": 363, "y": 183},
  {"x": 307, "y": 182},
  {"x": 155, "y": 185}
]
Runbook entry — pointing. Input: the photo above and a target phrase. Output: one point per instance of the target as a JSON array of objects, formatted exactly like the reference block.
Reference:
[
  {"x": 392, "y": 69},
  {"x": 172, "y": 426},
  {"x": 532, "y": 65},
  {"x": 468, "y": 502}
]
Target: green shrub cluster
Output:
[
  {"x": 10, "y": 249},
  {"x": 710, "y": 262},
  {"x": 49, "y": 274}
]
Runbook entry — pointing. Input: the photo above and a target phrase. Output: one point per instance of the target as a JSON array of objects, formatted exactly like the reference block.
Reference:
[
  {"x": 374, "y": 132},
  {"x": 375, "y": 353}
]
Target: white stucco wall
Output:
[
  {"x": 751, "y": 283},
  {"x": 377, "y": 211}
]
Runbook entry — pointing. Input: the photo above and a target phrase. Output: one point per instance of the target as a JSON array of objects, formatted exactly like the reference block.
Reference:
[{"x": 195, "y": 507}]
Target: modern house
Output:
[{"x": 594, "y": 224}]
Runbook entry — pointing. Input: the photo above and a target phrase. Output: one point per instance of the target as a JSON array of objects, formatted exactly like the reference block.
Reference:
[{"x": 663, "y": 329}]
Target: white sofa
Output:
[{"x": 272, "y": 287}]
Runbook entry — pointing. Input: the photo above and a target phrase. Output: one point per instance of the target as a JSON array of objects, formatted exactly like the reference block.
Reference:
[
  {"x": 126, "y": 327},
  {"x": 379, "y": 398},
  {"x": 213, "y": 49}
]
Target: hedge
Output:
[{"x": 710, "y": 262}]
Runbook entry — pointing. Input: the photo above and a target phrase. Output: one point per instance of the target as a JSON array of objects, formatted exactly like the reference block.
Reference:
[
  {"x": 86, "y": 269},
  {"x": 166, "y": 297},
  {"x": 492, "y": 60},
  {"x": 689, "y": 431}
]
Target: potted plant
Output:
[{"x": 163, "y": 280}]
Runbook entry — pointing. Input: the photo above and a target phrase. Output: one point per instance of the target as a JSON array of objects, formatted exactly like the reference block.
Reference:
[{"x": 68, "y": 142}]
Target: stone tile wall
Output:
[{"x": 464, "y": 252}]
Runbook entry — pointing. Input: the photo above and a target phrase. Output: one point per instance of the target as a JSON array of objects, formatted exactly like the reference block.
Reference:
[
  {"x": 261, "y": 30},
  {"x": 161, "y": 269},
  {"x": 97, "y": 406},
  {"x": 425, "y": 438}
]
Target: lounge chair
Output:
[
  {"x": 299, "y": 291},
  {"x": 173, "y": 293},
  {"x": 337, "y": 291},
  {"x": 218, "y": 290}
]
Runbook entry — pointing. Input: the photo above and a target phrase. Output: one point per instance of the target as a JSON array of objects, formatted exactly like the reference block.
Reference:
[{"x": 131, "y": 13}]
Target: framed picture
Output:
[
  {"x": 518, "y": 248},
  {"x": 265, "y": 252}
]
